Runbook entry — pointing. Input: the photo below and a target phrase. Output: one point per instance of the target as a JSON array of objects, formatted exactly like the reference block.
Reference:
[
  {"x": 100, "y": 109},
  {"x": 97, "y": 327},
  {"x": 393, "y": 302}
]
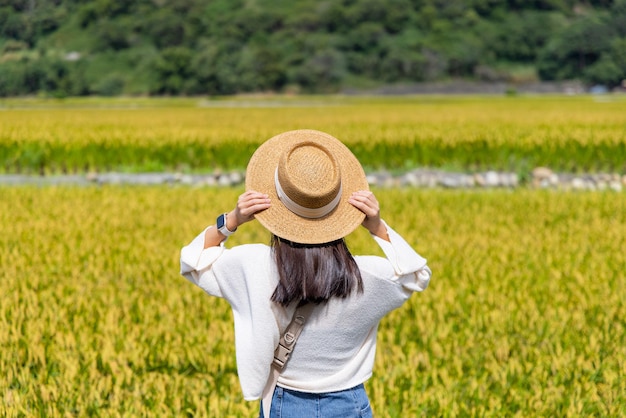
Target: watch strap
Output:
[{"x": 221, "y": 220}]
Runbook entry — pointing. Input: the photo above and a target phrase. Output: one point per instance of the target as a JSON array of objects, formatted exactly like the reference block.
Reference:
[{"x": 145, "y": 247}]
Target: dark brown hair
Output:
[{"x": 314, "y": 272}]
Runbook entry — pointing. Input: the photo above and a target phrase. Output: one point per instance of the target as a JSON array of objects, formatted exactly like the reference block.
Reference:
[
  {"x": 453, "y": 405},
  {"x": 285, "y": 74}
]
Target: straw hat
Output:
[{"x": 309, "y": 176}]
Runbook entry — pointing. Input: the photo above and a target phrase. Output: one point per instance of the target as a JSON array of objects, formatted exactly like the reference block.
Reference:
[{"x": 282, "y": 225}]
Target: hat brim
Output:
[{"x": 285, "y": 224}]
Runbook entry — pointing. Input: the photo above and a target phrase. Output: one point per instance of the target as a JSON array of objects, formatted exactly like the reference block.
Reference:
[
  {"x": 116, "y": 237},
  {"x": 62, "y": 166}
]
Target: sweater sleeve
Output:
[
  {"x": 196, "y": 262},
  {"x": 242, "y": 275},
  {"x": 410, "y": 268}
]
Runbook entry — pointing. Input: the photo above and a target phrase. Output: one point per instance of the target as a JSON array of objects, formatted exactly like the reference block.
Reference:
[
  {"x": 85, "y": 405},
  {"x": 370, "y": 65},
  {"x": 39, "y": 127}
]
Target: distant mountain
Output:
[{"x": 189, "y": 47}]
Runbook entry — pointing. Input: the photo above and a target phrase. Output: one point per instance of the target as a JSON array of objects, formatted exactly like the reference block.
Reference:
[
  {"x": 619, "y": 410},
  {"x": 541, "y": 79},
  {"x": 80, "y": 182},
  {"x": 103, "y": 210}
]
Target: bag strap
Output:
[{"x": 285, "y": 346}]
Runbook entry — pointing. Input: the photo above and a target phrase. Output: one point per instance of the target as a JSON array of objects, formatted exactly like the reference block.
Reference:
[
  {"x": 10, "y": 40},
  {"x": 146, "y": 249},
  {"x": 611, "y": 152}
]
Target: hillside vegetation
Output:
[{"x": 196, "y": 47}]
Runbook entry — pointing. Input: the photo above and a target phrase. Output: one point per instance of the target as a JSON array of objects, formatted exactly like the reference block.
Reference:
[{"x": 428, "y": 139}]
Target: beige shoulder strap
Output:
[{"x": 285, "y": 346}]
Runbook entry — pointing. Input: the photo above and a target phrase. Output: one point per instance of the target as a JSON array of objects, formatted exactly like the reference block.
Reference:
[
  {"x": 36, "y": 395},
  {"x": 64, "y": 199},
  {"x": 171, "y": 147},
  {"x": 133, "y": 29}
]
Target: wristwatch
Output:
[{"x": 221, "y": 225}]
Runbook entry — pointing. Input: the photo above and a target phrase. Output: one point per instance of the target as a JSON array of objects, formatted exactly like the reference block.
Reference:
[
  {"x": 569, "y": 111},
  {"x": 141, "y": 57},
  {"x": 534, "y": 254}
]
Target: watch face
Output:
[{"x": 221, "y": 221}]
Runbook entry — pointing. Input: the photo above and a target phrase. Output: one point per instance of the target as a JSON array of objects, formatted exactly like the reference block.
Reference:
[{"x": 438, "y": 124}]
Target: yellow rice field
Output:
[
  {"x": 513, "y": 133},
  {"x": 525, "y": 315}
]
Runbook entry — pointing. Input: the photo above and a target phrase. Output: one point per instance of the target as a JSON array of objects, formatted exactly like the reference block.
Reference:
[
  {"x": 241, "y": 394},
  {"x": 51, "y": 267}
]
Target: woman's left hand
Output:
[{"x": 248, "y": 204}]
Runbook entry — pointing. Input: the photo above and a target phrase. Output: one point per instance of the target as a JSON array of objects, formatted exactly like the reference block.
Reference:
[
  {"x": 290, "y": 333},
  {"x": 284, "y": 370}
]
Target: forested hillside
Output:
[{"x": 188, "y": 47}]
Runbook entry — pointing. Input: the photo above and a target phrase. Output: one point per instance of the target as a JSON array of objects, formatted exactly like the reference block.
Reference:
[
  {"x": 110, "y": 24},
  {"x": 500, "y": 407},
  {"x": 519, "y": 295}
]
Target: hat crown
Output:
[{"x": 309, "y": 175}]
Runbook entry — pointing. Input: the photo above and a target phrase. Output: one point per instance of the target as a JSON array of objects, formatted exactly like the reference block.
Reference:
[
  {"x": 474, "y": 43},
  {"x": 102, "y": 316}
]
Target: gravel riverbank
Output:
[{"x": 540, "y": 178}]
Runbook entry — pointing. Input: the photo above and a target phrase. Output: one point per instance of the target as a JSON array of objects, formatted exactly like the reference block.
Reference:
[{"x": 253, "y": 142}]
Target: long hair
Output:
[{"x": 314, "y": 272}]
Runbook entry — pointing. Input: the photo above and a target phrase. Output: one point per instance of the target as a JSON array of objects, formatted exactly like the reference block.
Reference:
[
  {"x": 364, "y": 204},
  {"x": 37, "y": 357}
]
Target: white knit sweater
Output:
[{"x": 337, "y": 346}]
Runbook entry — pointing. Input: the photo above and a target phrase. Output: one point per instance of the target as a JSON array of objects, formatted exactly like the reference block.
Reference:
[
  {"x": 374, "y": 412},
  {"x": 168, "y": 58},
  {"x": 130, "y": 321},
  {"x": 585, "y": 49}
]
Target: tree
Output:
[
  {"x": 113, "y": 34},
  {"x": 13, "y": 25},
  {"x": 403, "y": 59},
  {"x": 260, "y": 69},
  {"x": 604, "y": 71},
  {"x": 212, "y": 66},
  {"x": 520, "y": 36},
  {"x": 174, "y": 70},
  {"x": 610, "y": 69},
  {"x": 165, "y": 28},
  {"x": 575, "y": 48},
  {"x": 322, "y": 72}
]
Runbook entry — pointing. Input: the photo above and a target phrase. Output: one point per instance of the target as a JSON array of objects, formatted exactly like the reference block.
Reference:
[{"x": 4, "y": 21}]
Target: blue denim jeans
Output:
[{"x": 347, "y": 403}]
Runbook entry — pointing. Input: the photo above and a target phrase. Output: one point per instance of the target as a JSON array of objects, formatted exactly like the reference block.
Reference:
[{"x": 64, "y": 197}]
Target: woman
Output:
[{"x": 309, "y": 191}]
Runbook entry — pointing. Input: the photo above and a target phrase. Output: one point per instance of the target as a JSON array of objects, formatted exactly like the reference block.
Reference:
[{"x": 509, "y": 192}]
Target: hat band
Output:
[{"x": 300, "y": 210}]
